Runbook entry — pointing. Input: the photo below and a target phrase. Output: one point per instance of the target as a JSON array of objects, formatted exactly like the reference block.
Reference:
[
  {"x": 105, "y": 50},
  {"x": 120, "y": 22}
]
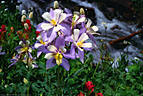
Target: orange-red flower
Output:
[
  {"x": 99, "y": 94},
  {"x": 37, "y": 33},
  {"x": 80, "y": 94},
  {"x": 2, "y": 31},
  {"x": 89, "y": 85}
]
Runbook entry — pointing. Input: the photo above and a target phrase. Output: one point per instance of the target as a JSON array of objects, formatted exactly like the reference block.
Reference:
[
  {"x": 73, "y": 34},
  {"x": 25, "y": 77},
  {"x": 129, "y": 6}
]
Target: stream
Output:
[{"x": 106, "y": 27}]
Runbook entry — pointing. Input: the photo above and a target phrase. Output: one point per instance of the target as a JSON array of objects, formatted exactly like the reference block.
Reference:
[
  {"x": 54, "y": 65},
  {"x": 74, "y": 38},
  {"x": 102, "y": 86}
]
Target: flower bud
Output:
[
  {"x": 2, "y": 2},
  {"x": 12, "y": 29},
  {"x": 17, "y": 7},
  {"x": 23, "y": 12},
  {"x": 56, "y": 5},
  {"x": 25, "y": 81},
  {"x": 31, "y": 15},
  {"x": 23, "y": 18},
  {"x": 0, "y": 70},
  {"x": 82, "y": 12},
  {"x": 26, "y": 26}
]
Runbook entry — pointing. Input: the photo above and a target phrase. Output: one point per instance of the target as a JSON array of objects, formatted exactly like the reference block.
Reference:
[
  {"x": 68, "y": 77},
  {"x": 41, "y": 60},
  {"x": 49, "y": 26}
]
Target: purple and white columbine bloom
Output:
[
  {"x": 77, "y": 19},
  {"x": 54, "y": 19},
  {"x": 30, "y": 61},
  {"x": 78, "y": 38},
  {"x": 24, "y": 47},
  {"x": 14, "y": 59},
  {"x": 40, "y": 45},
  {"x": 90, "y": 30},
  {"x": 1, "y": 53},
  {"x": 23, "y": 50},
  {"x": 55, "y": 55}
]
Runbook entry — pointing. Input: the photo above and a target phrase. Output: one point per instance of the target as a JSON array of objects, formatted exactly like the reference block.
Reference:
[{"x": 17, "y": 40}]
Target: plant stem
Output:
[
  {"x": 27, "y": 91},
  {"x": 96, "y": 69}
]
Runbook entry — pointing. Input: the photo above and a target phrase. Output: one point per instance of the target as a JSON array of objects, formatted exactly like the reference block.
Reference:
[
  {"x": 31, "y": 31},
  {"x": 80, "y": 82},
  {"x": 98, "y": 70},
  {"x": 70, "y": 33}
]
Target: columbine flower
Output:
[
  {"x": 55, "y": 55},
  {"x": 89, "y": 85},
  {"x": 1, "y": 53},
  {"x": 30, "y": 61},
  {"x": 90, "y": 30},
  {"x": 79, "y": 41},
  {"x": 40, "y": 45},
  {"x": 54, "y": 18},
  {"x": 14, "y": 59},
  {"x": 77, "y": 19},
  {"x": 24, "y": 47}
]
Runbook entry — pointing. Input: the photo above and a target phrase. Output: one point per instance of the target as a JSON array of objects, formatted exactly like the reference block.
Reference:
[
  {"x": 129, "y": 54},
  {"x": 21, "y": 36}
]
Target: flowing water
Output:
[{"x": 132, "y": 48}]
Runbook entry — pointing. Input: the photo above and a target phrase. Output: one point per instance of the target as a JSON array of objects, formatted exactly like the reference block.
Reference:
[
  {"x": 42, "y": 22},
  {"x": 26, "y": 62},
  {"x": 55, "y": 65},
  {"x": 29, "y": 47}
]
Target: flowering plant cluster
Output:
[
  {"x": 24, "y": 54},
  {"x": 2, "y": 32},
  {"x": 64, "y": 35},
  {"x": 90, "y": 87}
]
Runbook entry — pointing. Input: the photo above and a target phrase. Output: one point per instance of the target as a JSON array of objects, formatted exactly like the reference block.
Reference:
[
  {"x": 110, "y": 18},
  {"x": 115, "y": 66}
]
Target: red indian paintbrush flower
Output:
[
  {"x": 27, "y": 25},
  {"x": 37, "y": 33},
  {"x": 89, "y": 85},
  {"x": 3, "y": 27},
  {"x": 2, "y": 31},
  {"x": 80, "y": 94},
  {"x": 99, "y": 94}
]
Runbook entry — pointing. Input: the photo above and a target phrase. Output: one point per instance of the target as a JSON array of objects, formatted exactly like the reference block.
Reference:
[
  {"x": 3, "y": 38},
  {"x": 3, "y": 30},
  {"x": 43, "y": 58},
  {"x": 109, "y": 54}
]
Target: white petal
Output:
[
  {"x": 76, "y": 34},
  {"x": 27, "y": 41},
  {"x": 82, "y": 19},
  {"x": 30, "y": 49},
  {"x": 83, "y": 37},
  {"x": 57, "y": 28},
  {"x": 21, "y": 42},
  {"x": 47, "y": 16},
  {"x": 88, "y": 23},
  {"x": 95, "y": 28},
  {"x": 48, "y": 56},
  {"x": 39, "y": 53},
  {"x": 52, "y": 48},
  {"x": 37, "y": 45},
  {"x": 46, "y": 26},
  {"x": 57, "y": 13},
  {"x": 87, "y": 45},
  {"x": 19, "y": 51},
  {"x": 62, "y": 17}
]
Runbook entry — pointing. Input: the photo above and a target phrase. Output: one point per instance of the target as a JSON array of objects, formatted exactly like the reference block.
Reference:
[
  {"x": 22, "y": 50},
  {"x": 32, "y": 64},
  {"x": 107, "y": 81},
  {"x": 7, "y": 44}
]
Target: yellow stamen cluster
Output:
[
  {"x": 24, "y": 49},
  {"x": 58, "y": 58},
  {"x": 53, "y": 22},
  {"x": 42, "y": 42},
  {"x": 79, "y": 43}
]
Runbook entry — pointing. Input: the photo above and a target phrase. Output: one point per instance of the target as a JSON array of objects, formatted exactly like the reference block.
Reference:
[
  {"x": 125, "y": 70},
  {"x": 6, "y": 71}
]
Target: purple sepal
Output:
[
  {"x": 65, "y": 64},
  {"x": 49, "y": 63}
]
